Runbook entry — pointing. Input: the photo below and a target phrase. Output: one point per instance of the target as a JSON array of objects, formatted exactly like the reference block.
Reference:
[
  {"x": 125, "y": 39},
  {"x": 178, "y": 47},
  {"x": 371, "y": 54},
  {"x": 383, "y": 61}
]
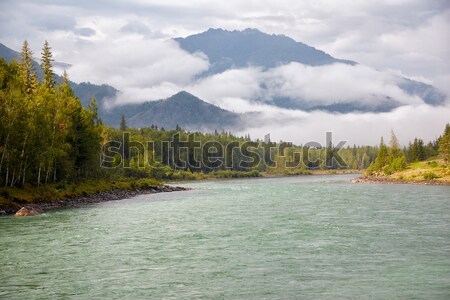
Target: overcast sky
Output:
[{"x": 128, "y": 44}]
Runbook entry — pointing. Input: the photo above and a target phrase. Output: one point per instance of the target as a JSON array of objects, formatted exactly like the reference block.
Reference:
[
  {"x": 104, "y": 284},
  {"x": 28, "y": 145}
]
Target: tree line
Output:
[{"x": 392, "y": 158}]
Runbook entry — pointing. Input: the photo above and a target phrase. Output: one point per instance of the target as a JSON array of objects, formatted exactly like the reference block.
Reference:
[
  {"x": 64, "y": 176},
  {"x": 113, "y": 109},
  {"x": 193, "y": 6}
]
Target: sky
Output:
[{"x": 128, "y": 44}]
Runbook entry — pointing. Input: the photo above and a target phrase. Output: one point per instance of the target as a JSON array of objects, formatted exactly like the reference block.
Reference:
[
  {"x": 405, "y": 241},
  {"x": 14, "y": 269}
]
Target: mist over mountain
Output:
[
  {"x": 182, "y": 109},
  {"x": 254, "y": 68},
  {"x": 227, "y": 50},
  {"x": 251, "y": 47}
]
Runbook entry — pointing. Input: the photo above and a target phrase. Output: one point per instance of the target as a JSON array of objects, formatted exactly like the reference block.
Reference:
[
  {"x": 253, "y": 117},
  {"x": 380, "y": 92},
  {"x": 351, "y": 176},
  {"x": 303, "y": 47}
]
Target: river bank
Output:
[
  {"x": 43, "y": 198},
  {"x": 387, "y": 180}
]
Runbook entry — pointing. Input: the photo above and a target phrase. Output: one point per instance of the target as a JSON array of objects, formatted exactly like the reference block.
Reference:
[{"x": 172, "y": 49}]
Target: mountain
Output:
[
  {"x": 251, "y": 47},
  {"x": 240, "y": 49},
  {"x": 85, "y": 90},
  {"x": 183, "y": 109}
]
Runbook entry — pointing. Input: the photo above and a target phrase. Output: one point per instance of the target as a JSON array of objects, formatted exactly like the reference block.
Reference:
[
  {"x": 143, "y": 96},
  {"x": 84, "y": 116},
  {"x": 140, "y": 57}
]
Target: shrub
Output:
[
  {"x": 432, "y": 164},
  {"x": 430, "y": 176},
  {"x": 398, "y": 164}
]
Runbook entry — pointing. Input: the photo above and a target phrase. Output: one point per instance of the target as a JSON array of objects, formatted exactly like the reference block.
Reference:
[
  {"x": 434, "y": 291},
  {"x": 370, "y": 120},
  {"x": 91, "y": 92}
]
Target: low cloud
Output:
[
  {"x": 141, "y": 74},
  {"x": 311, "y": 86},
  {"x": 421, "y": 121},
  {"x": 336, "y": 83}
]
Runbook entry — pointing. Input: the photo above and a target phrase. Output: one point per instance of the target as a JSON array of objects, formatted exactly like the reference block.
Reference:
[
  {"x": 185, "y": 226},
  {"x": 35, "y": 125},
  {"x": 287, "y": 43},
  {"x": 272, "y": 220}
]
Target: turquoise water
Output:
[{"x": 310, "y": 237}]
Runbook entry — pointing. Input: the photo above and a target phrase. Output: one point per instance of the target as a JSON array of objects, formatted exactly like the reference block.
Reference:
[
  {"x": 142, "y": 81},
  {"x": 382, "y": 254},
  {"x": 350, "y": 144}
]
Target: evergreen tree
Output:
[
  {"x": 65, "y": 78},
  {"x": 416, "y": 151},
  {"x": 46, "y": 65},
  {"x": 123, "y": 123},
  {"x": 394, "y": 150},
  {"x": 444, "y": 144},
  {"x": 27, "y": 74}
]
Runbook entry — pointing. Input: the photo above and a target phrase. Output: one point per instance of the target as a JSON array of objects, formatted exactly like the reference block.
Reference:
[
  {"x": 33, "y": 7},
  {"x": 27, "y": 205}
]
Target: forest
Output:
[{"x": 47, "y": 136}]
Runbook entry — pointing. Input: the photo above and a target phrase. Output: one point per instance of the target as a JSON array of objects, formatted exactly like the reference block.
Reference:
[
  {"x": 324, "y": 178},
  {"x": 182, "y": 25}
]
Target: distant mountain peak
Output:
[
  {"x": 183, "y": 109},
  {"x": 182, "y": 95},
  {"x": 251, "y": 47}
]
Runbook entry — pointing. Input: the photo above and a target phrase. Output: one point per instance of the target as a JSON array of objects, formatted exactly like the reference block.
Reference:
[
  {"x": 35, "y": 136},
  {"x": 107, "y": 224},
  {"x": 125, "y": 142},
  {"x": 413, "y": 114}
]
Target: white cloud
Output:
[
  {"x": 241, "y": 83},
  {"x": 324, "y": 85},
  {"x": 137, "y": 66},
  {"x": 336, "y": 83},
  {"x": 408, "y": 122}
]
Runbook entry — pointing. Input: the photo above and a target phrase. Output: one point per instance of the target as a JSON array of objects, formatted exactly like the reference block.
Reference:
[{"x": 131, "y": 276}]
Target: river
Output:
[{"x": 305, "y": 237}]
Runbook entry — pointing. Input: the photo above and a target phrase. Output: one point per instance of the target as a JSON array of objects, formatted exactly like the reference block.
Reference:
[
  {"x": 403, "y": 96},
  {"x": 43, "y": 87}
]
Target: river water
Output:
[{"x": 307, "y": 237}]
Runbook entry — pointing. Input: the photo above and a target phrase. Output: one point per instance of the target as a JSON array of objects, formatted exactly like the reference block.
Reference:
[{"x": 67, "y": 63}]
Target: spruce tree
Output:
[
  {"x": 444, "y": 144},
  {"x": 65, "y": 78},
  {"x": 46, "y": 65},
  {"x": 381, "y": 159},
  {"x": 394, "y": 150},
  {"x": 27, "y": 75},
  {"x": 123, "y": 123}
]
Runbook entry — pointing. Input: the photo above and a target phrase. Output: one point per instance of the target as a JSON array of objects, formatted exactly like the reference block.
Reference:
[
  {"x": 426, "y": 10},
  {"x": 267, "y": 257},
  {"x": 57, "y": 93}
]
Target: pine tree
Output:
[
  {"x": 381, "y": 159},
  {"x": 46, "y": 65},
  {"x": 65, "y": 78},
  {"x": 27, "y": 74},
  {"x": 123, "y": 123},
  {"x": 394, "y": 150},
  {"x": 444, "y": 144},
  {"x": 93, "y": 108}
]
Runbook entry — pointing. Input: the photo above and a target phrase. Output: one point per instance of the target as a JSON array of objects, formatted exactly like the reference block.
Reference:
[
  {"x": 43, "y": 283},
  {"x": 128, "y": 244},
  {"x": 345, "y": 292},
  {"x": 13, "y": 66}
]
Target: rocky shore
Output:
[
  {"x": 32, "y": 209},
  {"x": 386, "y": 180}
]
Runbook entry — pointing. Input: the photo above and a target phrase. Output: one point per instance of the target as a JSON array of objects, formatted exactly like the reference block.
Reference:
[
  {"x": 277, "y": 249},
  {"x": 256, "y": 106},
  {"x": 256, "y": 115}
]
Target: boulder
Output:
[{"x": 27, "y": 212}]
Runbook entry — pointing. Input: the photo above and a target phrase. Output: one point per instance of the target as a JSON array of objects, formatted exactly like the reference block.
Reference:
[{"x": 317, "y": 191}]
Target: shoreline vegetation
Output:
[
  {"x": 413, "y": 165},
  {"x": 32, "y": 200},
  {"x": 46, "y": 197},
  {"x": 35, "y": 200},
  {"x": 430, "y": 172}
]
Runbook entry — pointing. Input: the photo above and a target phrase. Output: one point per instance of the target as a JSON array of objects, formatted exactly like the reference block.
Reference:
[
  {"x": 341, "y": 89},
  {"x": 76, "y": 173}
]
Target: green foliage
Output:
[
  {"x": 398, "y": 164},
  {"x": 430, "y": 176},
  {"x": 444, "y": 144},
  {"x": 381, "y": 160},
  {"x": 389, "y": 159},
  {"x": 45, "y": 134},
  {"x": 235, "y": 174},
  {"x": 416, "y": 151},
  {"x": 123, "y": 123},
  {"x": 46, "y": 65},
  {"x": 290, "y": 172},
  {"x": 432, "y": 164}
]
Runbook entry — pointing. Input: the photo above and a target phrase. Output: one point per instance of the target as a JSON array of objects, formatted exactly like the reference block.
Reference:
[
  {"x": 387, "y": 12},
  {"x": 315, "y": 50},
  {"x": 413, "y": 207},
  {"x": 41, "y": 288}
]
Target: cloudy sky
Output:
[{"x": 128, "y": 44}]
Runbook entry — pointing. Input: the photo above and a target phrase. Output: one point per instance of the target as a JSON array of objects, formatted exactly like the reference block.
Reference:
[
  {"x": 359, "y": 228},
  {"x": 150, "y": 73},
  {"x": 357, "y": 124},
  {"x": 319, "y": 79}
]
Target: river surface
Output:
[{"x": 307, "y": 237}]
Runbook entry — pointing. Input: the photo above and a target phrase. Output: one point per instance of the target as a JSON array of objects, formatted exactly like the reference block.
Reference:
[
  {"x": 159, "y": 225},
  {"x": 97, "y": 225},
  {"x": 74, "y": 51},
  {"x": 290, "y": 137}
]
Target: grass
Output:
[
  {"x": 13, "y": 197},
  {"x": 187, "y": 175},
  {"x": 432, "y": 169}
]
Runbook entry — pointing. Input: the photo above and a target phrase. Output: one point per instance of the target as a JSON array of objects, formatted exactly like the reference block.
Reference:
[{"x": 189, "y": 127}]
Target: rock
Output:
[{"x": 25, "y": 212}]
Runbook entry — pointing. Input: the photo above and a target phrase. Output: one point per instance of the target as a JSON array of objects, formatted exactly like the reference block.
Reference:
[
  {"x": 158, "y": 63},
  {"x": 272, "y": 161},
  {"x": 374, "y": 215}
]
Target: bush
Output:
[
  {"x": 430, "y": 176},
  {"x": 432, "y": 164},
  {"x": 398, "y": 164},
  {"x": 235, "y": 174}
]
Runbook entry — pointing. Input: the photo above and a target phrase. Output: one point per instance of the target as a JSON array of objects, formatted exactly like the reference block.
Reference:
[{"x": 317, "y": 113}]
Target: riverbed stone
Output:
[{"x": 26, "y": 212}]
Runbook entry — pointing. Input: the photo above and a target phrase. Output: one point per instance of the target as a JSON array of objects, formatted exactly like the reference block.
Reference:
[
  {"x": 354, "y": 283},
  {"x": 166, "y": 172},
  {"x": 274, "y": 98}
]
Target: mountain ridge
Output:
[
  {"x": 181, "y": 109},
  {"x": 250, "y": 47},
  {"x": 220, "y": 46}
]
